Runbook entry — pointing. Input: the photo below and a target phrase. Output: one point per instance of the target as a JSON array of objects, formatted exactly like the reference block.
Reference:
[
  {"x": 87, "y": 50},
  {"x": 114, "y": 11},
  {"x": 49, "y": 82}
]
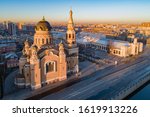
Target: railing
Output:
[
  {"x": 96, "y": 60},
  {"x": 132, "y": 87}
]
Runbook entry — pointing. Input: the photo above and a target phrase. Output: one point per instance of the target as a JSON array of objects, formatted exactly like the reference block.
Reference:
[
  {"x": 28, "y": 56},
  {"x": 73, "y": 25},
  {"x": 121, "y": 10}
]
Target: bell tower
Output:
[
  {"x": 70, "y": 35},
  {"x": 71, "y": 47}
]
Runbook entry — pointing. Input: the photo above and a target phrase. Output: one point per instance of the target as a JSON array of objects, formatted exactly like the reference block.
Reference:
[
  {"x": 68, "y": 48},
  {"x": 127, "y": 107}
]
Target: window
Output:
[
  {"x": 114, "y": 52},
  {"x": 41, "y": 28},
  {"x": 69, "y": 35},
  {"x": 51, "y": 67},
  {"x": 73, "y": 36},
  {"x": 46, "y": 40},
  {"x": 42, "y": 41}
]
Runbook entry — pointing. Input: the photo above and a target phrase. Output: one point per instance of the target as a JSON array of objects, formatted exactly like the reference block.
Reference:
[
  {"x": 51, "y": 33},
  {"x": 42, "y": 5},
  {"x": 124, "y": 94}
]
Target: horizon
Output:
[{"x": 84, "y": 12}]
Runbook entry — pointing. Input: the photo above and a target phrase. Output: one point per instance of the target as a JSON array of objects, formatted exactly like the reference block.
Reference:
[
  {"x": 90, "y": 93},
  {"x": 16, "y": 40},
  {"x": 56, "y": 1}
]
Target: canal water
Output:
[{"x": 142, "y": 94}]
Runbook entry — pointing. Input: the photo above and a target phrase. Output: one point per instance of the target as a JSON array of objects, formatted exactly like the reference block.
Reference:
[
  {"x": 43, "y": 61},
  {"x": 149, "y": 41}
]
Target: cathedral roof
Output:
[
  {"x": 43, "y": 25},
  {"x": 46, "y": 47}
]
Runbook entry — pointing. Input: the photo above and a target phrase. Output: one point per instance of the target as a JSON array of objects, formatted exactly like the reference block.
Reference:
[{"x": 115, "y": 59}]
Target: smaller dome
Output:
[
  {"x": 34, "y": 47},
  {"x": 26, "y": 43},
  {"x": 43, "y": 25}
]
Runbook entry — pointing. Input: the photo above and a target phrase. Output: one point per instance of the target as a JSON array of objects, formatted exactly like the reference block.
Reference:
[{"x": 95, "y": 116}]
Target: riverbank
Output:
[
  {"x": 133, "y": 87},
  {"x": 141, "y": 93}
]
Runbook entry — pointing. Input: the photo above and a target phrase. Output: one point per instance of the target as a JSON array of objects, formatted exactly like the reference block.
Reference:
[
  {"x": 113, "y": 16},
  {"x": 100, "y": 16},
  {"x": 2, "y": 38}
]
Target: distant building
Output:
[
  {"x": 10, "y": 47},
  {"x": 46, "y": 62},
  {"x": 11, "y": 60},
  {"x": 144, "y": 28},
  {"x": 20, "y": 26},
  {"x": 148, "y": 42},
  {"x": 5, "y": 24},
  {"x": 145, "y": 24},
  {"x": 115, "y": 47},
  {"x": 7, "y": 41},
  {"x": 12, "y": 29}
]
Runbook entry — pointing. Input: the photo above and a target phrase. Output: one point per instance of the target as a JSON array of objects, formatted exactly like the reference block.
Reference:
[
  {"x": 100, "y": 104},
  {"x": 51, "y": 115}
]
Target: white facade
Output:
[{"x": 115, "y": 47}]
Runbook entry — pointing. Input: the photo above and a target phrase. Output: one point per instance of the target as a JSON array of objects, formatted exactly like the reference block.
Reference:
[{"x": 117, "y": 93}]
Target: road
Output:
[
  {"x": 103, "y": 85},
  {"x": 9, "y": 86}
]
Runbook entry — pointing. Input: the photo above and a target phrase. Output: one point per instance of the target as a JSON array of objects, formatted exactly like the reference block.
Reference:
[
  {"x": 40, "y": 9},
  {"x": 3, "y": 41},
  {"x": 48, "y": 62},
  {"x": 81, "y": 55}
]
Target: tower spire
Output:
[
  {"x": 43, "y": 18},
  {"x": 70, "y": 22},
  {"x": 71, "y": 37},
  {"x": 71, "y": 18}
]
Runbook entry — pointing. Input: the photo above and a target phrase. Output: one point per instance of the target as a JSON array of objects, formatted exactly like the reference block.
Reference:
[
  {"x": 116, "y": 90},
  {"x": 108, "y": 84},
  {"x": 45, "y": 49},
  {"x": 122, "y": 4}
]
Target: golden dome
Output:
[{"x": 43, "y": 25}]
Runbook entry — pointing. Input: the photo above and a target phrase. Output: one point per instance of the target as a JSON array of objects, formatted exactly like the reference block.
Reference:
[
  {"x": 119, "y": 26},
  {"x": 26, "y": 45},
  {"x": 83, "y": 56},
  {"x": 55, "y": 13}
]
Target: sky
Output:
[{"x": 84, "y": 11}]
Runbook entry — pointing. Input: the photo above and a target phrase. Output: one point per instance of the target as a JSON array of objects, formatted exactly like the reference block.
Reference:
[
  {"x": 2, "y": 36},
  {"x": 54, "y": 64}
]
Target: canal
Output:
[{"x": 142, "y": 93}]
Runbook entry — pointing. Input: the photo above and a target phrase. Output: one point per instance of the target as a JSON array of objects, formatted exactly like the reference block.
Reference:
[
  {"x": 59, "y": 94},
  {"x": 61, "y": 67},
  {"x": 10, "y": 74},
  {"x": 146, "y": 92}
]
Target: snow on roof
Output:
[
  {"x": 9, "y": 44},
  {"x": 84, "y": 37},
  {"x": 99, "y": 38},
  {"x": 3, "y": 41},
  {"x": 103, "y": 41},
  {"x": 11, "y": 55},
  {"x": 57, "y": 34}
]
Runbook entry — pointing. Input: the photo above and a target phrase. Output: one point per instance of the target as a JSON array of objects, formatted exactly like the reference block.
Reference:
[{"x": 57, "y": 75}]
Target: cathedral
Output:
[{"x": 45, "y": 62}]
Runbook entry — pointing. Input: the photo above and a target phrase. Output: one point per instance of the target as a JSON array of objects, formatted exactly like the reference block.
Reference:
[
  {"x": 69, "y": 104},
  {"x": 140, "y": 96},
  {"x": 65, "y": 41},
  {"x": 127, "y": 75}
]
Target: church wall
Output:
[
  {"x": 140, "y": 47},
  {"x": 27, "y": 75},
  {"x": 35, "y": 74},
  {"x": 22, "y": 62},
  {"x": 51, "y": 76},
  {"x": 62, "y": 69}
]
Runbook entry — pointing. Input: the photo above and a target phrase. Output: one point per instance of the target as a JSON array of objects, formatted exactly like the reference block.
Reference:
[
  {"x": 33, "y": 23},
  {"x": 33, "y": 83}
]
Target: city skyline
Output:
[
  {"x": 74, "y": 50},
  {"x": 85, "y": 11}
]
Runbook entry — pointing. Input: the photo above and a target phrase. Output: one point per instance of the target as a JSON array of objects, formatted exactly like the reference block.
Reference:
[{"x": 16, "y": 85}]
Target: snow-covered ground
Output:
[
  {"x": 58, "y": 35},
  {"x": 82, "y": 37}
]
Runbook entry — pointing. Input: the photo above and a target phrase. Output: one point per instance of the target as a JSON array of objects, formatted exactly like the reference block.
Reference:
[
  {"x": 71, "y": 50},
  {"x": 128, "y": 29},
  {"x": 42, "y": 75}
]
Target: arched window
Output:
[
  {"x": 42, "y": 41},
  {"x": 47, "y": 41},
  {"x": 41, "y": 28},
  {"x": 50, "y": 67},
  {"x": 73, "y": 36},
  {"x": 69, "y": 36}
]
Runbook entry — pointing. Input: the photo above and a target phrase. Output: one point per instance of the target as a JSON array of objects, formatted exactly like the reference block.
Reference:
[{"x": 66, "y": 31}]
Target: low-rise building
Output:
[
  {"x": 115, "y": 47},
  {"x": 11, "y": 60},
  {"x": 11, "y": 47}
]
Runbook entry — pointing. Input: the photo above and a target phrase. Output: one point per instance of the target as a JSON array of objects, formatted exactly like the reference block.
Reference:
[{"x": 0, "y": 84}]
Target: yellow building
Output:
[{"x": 44, "y": 62}]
